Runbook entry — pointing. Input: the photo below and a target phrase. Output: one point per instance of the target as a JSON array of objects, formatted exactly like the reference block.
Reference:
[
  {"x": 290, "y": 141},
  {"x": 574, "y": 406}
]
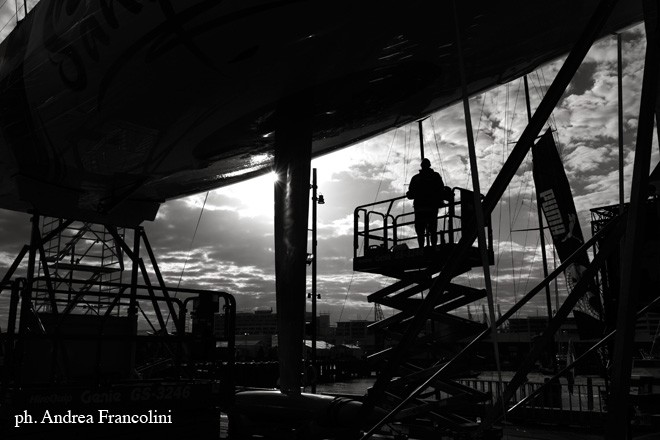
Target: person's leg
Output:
[
  {"x": 432, "y": 226},
  {"x": 420, "y": 226}
]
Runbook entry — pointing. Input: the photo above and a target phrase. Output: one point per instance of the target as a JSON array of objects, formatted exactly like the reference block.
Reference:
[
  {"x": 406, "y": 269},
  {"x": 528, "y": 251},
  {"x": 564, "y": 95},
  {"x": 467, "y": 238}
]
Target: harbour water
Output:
[
  {"x": 354, "y": 386},
  {"x": 360, "y": 386},
  {"x": 575, "y": 403},
  {"x": 586, "y": 393}
]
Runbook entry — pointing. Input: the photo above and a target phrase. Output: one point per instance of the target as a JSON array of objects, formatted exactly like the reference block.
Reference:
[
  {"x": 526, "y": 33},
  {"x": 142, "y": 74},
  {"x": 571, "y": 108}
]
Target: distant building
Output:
[
  {"x": 264, "y": 322},
  {"x": 322, "y": 325},
  {"x": 355, "y": 332},
  {"x": 259, "y": 322},
  {"x": 531, "y": 325},
  {"x": 527, "y": 329}
]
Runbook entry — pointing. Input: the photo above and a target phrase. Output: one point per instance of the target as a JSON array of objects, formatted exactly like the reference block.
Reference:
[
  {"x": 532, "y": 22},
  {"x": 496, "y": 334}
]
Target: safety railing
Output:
[
  {"x": 565, "y": 395},
  {"x": 388, "y": 225}
]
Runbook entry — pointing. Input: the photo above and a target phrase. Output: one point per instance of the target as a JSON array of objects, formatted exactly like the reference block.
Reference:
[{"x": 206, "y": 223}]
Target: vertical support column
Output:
[
  {"x": 26, "y": 294},
  {"x": 314, "y": 260},
  {"x": 619, "y": 59},
  {"x": 421, "y": 139},
  {"x": 161, "y": 282},
  {"x": 132, "y": 308},
  {"x": 478, "y": 206},
  {"x": 10, "y": 346},
  {"x": 618, "y": 414},
  {"x": 293, "y": 148},
  {"x": 17, "y": 261},
  {"x": 135, "y": 271},
  {"x": 548, "y": 297}
]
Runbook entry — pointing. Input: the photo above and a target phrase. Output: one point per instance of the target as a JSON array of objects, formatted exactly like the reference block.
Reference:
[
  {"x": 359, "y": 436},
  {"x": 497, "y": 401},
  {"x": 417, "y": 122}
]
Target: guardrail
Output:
[
  {"x": 386, "y": 225},
  {"x": 587, "y": 397}
]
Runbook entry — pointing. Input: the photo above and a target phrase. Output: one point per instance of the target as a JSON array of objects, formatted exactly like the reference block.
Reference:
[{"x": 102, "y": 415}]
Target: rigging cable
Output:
[
  {"x": 437, "y": 148},
  {"x": 350, "y": 283},
  {"x": 387, "y": 161},
  {"x": 560, "y": 148},
  {"x": 507, "y": 129},
  {"x": 513, "y": 267},
  {"x": 476, "y": 136},
  {"x": 192, "y": 240},
  {"x": 499, "y": 205}
]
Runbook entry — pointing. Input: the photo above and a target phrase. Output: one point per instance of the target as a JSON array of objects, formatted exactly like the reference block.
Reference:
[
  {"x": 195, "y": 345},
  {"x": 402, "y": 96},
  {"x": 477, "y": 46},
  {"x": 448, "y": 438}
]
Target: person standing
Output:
[{"x": 426, "y": 190}]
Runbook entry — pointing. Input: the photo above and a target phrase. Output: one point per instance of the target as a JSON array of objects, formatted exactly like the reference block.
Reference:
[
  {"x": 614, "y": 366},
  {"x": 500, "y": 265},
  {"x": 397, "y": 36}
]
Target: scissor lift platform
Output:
[
  {"x": 399, "y": 263},
  {"x": 383, "y": 231}
]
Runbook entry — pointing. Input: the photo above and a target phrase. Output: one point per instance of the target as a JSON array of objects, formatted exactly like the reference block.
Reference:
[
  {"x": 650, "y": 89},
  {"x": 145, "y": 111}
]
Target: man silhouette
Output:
[{"x": 426, "y": 189}]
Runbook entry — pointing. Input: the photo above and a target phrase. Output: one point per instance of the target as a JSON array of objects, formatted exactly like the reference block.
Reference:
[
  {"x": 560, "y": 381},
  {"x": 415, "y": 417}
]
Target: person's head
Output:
[{"x": 426, "y": 163}]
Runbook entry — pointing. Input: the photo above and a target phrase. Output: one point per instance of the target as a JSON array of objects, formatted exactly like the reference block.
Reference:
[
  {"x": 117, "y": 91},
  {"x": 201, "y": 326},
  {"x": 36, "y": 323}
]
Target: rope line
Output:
[
  {"x": 437, "y": 148},
  {"x": 192, "y": 240},
  {"x": 387, "y": 161}
]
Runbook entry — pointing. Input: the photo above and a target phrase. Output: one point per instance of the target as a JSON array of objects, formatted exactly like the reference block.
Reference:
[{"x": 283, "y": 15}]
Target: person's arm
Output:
[
  {"x": 411, "y": 189},
  {"x": 440, "y": 187}
]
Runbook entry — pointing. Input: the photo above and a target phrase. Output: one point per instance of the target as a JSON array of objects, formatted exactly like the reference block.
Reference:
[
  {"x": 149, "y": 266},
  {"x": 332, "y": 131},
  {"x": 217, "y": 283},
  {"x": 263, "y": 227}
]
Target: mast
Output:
[
  {"x": 620, "y": 97},
  {"x": 548, "y": 297},
  {"x": 314, "y": 260},
  {"x": 421, "y": 138}
]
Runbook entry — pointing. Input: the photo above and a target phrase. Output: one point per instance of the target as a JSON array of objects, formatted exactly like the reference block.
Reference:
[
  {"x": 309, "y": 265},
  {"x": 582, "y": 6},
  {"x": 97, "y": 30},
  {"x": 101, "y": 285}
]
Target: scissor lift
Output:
[{"x": 383, "y": 235}]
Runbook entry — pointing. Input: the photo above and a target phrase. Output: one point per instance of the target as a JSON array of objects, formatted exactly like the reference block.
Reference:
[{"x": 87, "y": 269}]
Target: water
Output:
[
  {"x": 579, "y": 399},
  {"x": 359, "y": 386},
  {"x": 355, "y": 386}
]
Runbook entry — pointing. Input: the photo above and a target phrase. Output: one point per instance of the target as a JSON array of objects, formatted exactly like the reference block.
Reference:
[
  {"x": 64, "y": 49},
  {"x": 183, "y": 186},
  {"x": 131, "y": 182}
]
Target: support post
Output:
[
  {"x": 26, "y": 294},
  {"x": 314, "y": 260},
  {"x": 10, "y": 346},
  {"x": 152, "y": 294},
  {"x": 135, "y": 270},
  {"x": 478, "y": 207},
  {"x": 14, "y": 265},
  {"x": 132, "y": 308},
  {"x": 619, "y": 59},
  {"x": 49, "y": 284},
  {"x": 293, "y": 138},
  {"x": 161, "y": 283},
  {"x": 618, "y": 414},
  {"x": 421, "y": 139}
]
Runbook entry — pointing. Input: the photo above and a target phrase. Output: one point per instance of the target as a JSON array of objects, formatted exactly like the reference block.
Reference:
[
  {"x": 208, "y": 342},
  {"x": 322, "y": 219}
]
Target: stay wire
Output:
[
  {"x": 387, "y": 161},
  {"x": 192, "y": 240},
  {"x": 382, "y": 174},
  {"x": 437, "y": 149},
  {"x": 513, "y": 267},
  {"x": 348, "y": 289},
  {"x": 476, "y": 134}
]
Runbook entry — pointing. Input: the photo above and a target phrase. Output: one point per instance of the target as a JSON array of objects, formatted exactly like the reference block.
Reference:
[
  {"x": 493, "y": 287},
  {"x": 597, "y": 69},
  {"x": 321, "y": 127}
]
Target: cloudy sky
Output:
[{"x": 233, "y": 247}]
